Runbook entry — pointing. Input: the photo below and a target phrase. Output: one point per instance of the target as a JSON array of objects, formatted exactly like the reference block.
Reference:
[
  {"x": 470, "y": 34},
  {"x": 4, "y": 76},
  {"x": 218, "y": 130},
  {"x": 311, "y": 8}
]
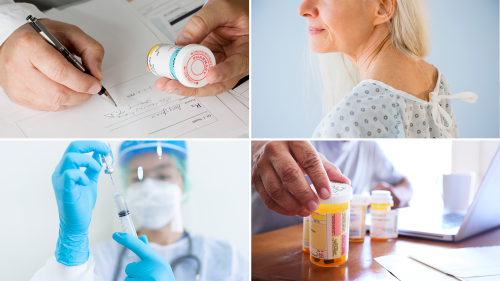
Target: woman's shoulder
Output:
[
  {"x": 372, "y": 90},
  {"x": 369, "y": 110}
]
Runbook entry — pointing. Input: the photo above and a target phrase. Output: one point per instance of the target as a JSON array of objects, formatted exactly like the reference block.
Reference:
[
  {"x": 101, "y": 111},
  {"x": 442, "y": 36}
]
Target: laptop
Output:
[{"x": 482, "y": 215}]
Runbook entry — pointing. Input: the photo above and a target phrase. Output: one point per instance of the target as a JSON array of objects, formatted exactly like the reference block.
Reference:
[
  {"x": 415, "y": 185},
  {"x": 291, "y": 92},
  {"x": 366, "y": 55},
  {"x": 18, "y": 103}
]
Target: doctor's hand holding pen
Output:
[
  {"x": 278, "y": 170},
  {"x": 223, "y": 27},
  {"x": 35, "y": 75}
]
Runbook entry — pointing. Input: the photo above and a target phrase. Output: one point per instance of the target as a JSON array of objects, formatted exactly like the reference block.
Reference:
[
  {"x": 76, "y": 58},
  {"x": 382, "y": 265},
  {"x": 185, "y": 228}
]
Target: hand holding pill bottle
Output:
[{"x": 329, "y": 227}]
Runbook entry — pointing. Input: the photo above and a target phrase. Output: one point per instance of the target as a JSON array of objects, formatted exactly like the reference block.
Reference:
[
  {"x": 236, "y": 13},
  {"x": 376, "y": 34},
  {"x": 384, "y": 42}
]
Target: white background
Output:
[
  {"x": 218, "y": 206},
  {"x": 424, "y": 162}
]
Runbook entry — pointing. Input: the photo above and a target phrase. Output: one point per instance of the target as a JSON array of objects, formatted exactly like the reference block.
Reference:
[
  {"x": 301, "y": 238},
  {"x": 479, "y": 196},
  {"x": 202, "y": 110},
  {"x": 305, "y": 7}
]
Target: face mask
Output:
[{"x": 155, "y": 203}]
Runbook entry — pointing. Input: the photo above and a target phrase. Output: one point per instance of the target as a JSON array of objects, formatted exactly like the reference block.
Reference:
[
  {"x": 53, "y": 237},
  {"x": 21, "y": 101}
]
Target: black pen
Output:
[{"x": 38, "y": 26}]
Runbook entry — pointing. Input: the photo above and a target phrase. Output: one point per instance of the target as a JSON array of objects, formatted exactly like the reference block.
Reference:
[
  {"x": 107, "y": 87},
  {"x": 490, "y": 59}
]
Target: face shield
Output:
[{"x": 155, "y": 183}]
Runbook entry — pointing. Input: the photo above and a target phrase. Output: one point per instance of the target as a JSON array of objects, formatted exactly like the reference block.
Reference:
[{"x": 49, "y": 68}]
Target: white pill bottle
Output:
[{"x": 187, "y": 64}]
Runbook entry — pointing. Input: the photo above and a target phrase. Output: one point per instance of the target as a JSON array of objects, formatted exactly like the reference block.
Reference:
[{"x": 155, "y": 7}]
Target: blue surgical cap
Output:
[{"x": 129, "y": 149}]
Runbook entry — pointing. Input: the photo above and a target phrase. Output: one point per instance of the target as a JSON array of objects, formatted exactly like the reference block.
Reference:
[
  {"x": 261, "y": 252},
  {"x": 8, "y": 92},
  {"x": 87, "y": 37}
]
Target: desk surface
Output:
[{"x": 278, "y": 255}]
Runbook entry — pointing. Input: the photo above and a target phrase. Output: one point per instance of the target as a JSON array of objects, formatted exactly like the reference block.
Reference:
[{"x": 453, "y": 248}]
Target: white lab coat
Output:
[
  {"x": 13, "y": 15},
  {"x": 219, "y": 262}
]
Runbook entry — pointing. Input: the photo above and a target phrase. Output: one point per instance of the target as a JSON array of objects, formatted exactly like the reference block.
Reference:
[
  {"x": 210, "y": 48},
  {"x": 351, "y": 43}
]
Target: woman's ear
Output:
[{"x": 385, "y": 11}]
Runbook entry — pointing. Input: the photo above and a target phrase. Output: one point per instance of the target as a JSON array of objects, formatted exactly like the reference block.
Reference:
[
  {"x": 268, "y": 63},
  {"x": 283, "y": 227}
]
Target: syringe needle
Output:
[{"x": 113, "y": 182}]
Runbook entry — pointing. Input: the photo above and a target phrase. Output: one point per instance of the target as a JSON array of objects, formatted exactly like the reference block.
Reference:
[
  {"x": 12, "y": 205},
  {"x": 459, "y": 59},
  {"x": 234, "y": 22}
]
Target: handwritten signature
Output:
[{"x": 137, "y": 108}]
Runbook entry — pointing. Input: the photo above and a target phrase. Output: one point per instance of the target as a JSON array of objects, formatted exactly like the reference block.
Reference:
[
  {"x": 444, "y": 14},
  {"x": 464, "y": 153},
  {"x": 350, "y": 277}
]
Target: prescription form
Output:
[{"x": 142, "y": 111}]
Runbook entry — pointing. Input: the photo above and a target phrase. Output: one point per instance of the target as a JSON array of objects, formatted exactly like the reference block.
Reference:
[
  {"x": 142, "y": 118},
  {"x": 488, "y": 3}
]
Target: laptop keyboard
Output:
[{"x": 449, "y": 221}]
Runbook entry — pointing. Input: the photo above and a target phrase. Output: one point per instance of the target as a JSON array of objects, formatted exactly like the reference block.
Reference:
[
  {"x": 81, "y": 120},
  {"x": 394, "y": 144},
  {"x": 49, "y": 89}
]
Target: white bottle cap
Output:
[
  {"x": 341, "y": 193},
  {"x": 192, "y": 65},
  {"x": 381, "y": 197},
  {"x": 360, "y": 199}
]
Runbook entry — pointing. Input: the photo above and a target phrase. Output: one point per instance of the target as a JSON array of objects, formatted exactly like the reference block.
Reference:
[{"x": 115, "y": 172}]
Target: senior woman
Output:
[{"x": 378, "y": 45}]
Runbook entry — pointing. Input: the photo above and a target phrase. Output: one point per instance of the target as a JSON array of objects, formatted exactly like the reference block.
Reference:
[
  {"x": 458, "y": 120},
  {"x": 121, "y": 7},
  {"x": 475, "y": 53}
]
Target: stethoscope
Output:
[{"x": 173, "y": 264}]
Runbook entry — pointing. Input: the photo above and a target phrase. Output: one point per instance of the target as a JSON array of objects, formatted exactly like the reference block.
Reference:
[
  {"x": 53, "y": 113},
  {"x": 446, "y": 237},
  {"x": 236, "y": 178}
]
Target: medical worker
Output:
[{"x": 156, "y": 186}]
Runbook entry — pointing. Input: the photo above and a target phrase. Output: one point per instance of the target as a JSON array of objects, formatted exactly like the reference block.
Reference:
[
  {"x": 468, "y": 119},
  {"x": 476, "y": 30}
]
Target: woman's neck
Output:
[
  {"x": 379, "y": 60},
  {"x": 162, "y": 236}
]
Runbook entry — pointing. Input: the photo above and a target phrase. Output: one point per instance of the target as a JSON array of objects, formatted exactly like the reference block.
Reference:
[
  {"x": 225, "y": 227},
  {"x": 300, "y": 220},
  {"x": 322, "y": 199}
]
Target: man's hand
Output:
[
  {"x": 223, "y": 27},
  {"x": 278, "y": 170},
  {"x": 401, "y": 192},
  {"x": 35, "y": 75}
]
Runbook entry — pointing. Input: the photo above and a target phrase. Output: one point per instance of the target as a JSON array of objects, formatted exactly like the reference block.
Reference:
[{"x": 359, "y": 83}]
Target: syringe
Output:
[
  {"x": 120, "y": 205},
  {"x": 126, "y": 220}
]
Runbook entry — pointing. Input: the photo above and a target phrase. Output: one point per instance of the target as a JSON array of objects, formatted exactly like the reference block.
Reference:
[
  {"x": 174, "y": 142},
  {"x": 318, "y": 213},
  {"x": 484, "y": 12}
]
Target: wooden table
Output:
[{"x": 278, "y": 255}]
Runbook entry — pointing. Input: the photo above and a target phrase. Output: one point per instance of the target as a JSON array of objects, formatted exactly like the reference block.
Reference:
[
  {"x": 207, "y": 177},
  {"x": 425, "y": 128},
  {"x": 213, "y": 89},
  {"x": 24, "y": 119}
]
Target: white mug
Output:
[{"x": 458, "y": 190}]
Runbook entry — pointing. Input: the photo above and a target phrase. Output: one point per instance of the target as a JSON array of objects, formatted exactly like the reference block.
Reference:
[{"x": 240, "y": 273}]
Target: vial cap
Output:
[
  {"x": 192, "y": 65},
  {"x": 340, "y": 193},
  {"x": 360, "y": 199},
  {"x": 381, "y": 197}
]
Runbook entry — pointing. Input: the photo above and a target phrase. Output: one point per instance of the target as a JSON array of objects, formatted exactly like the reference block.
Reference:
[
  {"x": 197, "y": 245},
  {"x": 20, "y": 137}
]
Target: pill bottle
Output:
[
  {"x": 305, "y": 234},
  {"x": 357, "y": 230},
  {"x": 187, "y": 64},
  {"x": 329, "y": 227},
  {"x": 380, "y": 226}
]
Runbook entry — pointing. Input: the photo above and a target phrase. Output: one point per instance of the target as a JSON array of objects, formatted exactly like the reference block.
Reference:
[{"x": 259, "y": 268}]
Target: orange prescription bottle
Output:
[
  {"x": 357, "y": 229},
  {"x": 329, "y": 227},
  {"x": 305, "y": 235},
  {"x": 381, "y": 227}
]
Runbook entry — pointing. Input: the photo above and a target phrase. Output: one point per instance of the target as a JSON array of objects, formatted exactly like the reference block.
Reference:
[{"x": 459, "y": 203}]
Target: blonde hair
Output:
[{"x": 409, "y": 36}]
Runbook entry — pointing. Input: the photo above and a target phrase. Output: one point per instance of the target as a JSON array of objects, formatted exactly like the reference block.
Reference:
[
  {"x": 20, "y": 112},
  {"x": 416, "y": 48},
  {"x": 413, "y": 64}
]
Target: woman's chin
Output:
[
  {"x": 318, "y": 48},
  {"x": 322, "y": 45}
]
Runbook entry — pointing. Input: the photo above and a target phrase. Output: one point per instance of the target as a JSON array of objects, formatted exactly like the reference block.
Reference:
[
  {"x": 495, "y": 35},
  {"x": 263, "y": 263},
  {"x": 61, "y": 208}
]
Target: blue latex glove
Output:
[
  {"x": 151, "y": 267},
  {"x": 76, "y": 193}
]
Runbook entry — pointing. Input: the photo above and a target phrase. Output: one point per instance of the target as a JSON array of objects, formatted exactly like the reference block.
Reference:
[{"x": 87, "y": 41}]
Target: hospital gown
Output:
[
  {"x": 376, "y": 110},
  {"x": 219, "y": 261}
]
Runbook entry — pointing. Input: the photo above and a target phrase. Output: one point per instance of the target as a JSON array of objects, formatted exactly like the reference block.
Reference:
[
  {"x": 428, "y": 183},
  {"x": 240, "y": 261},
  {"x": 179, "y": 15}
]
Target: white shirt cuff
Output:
[{"x": 12, "y": 16}]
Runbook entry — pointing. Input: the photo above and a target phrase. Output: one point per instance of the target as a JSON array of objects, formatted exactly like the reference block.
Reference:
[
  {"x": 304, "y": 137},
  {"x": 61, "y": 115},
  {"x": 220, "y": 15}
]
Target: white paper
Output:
[
  {"x": 465, "y": 262},
  {"x": 142, "y": 112},
  {"x": 168, "y": 16},
  {"x": 408, "y": 269}
]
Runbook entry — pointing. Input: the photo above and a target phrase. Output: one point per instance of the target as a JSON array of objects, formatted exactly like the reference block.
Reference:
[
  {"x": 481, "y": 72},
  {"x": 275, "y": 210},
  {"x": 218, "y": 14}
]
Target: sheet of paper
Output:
[
  {"x": 408, "y": 269},
  {"x": 143, "y": 111},
  {"x": 242, "y": 93},
  {"x": 465, "y": 262},
  {"x": 168, "y": 16}
]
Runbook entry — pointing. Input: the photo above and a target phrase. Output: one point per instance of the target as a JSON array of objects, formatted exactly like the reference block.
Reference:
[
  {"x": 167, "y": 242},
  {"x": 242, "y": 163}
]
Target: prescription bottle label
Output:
[
  {"x": 329, "y": 236},
  {"x": 357, "y": 221},
  {"x": 384, "y": 224},
  {"x": 161, "y": 60},
  {"x": 305, "y": 233}
]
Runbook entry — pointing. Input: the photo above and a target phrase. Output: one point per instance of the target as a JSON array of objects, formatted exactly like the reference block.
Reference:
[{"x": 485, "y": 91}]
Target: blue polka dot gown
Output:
[{"x": 376, "y": 110}]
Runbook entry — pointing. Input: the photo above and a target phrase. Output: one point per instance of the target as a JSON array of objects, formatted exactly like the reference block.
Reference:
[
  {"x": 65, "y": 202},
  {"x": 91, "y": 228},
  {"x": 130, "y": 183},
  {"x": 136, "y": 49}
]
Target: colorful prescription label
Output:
[
  {"x": 161, "y": 60},
  {"x": 357, "y": 221},
  {"x": 329, "y": 235},
  {"x": 305, "y": 232},
  {"x": 384, "y": 224}
]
